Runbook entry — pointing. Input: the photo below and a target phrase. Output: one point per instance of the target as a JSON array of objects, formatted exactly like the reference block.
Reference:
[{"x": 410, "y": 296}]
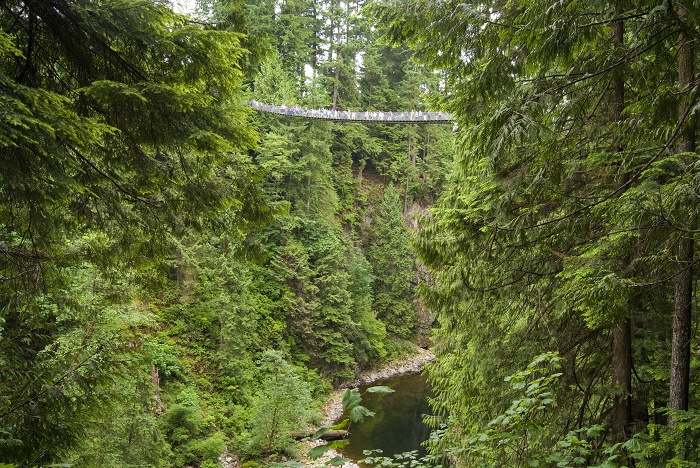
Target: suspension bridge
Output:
[{"x": 382, "y": 117}]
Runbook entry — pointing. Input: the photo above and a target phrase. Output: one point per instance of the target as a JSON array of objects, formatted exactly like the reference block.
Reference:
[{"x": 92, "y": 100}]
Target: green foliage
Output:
[
  {"x": 512, "y": 437},
  {"x": 375, "y": 458},
  {"x": 210, "y": 449},
  {"x": 389, "y": 251},
  {"x": 555, "y": 228},
  {"x": 138, "y": 288},
  {"x": 160, "y": 351},
  {"x": 129, "y": 432},
  {"x": 280, "y": 407},
  {"x": 670, "y": 446},
  {"x": 356, "y": 414},
  {"x": 321, "y": 297},
  {"x": 71, "y": 375},
  {"x": 189, "y": 432},
  {"x": 124, "y": 129}
]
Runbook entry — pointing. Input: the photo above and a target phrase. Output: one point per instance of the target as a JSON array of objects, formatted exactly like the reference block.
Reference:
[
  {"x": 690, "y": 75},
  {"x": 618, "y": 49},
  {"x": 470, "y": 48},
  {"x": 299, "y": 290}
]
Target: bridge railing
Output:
[{"x": 357, "y": 116}]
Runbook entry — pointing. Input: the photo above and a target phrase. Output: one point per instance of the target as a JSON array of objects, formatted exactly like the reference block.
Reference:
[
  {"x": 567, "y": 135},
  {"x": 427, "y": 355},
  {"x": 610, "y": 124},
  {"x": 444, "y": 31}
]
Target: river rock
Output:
[{"x": 228, "y": 460}]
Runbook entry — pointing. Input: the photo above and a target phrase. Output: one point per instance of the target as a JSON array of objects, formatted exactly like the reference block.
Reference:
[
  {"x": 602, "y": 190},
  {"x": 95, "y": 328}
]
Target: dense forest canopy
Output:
[
  {"x": 567, "y": 226},
  {"x": 182, "y": 277},
  {"x": 179, "y": 275}
]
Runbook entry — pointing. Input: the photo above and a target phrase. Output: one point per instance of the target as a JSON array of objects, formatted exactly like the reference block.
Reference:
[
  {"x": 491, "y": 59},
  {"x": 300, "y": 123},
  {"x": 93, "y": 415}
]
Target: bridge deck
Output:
[{"x": 375, "y": 117}]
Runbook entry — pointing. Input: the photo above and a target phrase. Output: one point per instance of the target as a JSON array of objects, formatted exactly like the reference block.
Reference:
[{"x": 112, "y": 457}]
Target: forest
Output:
[{"x": 184, "y": 277}]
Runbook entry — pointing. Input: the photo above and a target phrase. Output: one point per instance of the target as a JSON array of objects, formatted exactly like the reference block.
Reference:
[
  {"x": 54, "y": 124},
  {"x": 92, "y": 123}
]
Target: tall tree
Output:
[
  {"x": 684, "y": 284},
  {"x": 393, "y": 267},
  {"x": 124, "y": 127},
  {"x": 555, "y": 227},
  {"x": 621, "y": 329}
]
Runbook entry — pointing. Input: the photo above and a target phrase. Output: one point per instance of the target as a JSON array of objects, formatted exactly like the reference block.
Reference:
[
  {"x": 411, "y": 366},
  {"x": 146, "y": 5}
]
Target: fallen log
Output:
[{"x": 333, "y": 434}]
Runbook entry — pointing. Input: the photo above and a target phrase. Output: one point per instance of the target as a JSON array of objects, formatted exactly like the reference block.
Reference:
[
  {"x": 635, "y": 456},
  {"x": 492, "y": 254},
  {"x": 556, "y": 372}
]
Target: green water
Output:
[{"x": 397, "y": 426}]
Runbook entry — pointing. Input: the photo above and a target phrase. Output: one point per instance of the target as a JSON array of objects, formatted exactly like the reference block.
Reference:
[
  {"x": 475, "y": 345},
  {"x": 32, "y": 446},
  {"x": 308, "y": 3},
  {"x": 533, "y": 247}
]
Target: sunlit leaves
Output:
[
  {"x": 351, "y": 398},
  {"x": 338, "y": 461},
  {"x": 341, "y": 425},
  {"x": 318, "y": 451},
  {"x": 380, "y": 389},
  {"x": 359, "y": 413}
]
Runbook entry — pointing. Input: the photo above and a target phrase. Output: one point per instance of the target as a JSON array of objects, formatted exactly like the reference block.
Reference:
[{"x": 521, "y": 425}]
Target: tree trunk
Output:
[
  {"x": 683, "y": 282},
  {"x": 405, "y": 194},
  {"x": 622, "y": 330},
  {"x": 411, "y": 153},
  {"x": 622, "y": 379},
  {"x": 308, "y": 193},
  {"x": 329, "y": 435},
  {"x": 155, "y": 380},
  {"x": 426, "y": 149},
  {"x": 337, "y": 59},
  {"x": 335, "y": 83},
  {"x": 315, "y": 46},
  {"x": 427, "y": 146},
  {"x": 680, "y": 347}
]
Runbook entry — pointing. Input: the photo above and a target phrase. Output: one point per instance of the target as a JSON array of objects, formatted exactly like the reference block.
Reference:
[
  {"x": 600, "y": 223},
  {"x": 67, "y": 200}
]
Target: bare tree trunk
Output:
[
  {"x": 405, "y": 197},
  {"x": 622, "y": 330},
  {"x": 308, "y": 193},
  {"x": 680, "y": 347},
  {"x": 337, "y": 60},
  {"x": 622, "y": 379},
  {"x": 680, "y": 352},
  {"x": 328, "y": 435},
  {"x": 155, "y": 380},
  {"x": 405, "y": 194},
  {"x": 411, "y": 154},
  {"x": 315, "y": 46},
  {"x": 185, "y": 275},
  {"x": 335, "y": 84},
  {"x": 427, "y": 146},
  {"x": 426, "y": 150}
]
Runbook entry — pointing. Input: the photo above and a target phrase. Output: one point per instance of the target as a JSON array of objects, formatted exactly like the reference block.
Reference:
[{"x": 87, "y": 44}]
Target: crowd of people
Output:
[{"x": 360, "y": 116}]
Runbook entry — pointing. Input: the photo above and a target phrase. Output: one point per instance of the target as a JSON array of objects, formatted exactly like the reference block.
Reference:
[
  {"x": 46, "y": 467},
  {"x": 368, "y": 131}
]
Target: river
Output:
[{"x": 397, "y": 425}]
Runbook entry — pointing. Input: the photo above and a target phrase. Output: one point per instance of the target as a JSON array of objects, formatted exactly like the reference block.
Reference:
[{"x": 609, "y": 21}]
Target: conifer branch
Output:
[
  {"x": 45, "y": 388},
  {"x": 669, "y": 142},
  {"x": 119, "y": 186}
]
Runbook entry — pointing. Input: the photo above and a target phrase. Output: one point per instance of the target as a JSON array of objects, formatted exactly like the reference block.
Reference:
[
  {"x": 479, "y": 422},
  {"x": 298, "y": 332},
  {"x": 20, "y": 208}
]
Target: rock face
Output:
[{"x": 409, "y": 365}]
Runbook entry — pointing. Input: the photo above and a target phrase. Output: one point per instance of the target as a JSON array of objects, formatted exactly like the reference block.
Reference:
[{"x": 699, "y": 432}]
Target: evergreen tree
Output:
[
  {"x": 393, "y": 267},
  {"x": 369, "y": 341},
  {"x": 137, "y": 288},
  {"x": 554, "y": 231},
  {"x": 123, "y": 128}
]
